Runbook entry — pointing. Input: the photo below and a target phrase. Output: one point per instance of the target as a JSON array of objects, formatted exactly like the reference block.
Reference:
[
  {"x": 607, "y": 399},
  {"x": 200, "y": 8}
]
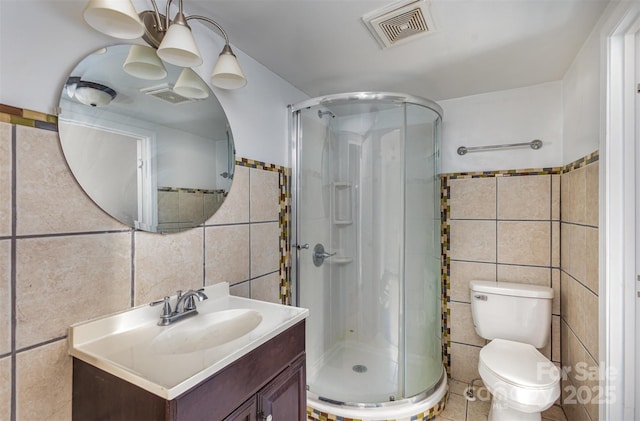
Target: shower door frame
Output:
[{"x": 294, "y": 130}]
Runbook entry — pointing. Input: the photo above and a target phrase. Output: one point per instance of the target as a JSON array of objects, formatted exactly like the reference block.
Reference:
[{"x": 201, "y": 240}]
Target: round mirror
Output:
[{"x": 147, "y": 141}]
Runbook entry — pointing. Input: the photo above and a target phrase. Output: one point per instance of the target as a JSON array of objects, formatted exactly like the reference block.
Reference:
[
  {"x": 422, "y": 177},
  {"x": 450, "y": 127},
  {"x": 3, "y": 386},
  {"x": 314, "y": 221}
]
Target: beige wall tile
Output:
[
  {"x": 5, "y": 179},
  {"x": 5, "y": 296},
  {"x": 524, "y": 243},
  {"x": 461, "y": 273},
  {"x": 556, "y": 244},
  {"x": 226, "y": 254},
  {"x": 574, "y": 250},
  {"x": 65, "y": 280},
  {"x": 266, "y": 288},
  {"x": 555, "y": 196},
  {"x": 525, "y": 275},
  {"x": 5, "y": 388},
  {"x": 591, "y": 199},
  {"x": 235, "y": 208},
  {"x": 265, "y": 248},
  {"x": 264, "y": 195},
  {"x": 591, "y": 322},
  {"x": 555, "y": 284},
  {"x": 168, "y": 207},
  {"x": 241, "y": 290},
  {"x": 524, "y": 197},
  {"x": 464, "y": 362},
  {"x": 473, "y": 240},
  {"x": 49, "y": 200},
  {"x": 592, "y": 271},
  {"x": 573, "y": 196},
  {"x": 44, "y": 383},
  {"x": 473, "y": 198},
  {"x": 166, "y": 263},
  {"x": 555, "y": 339},
  {"x": 462, "y": 329}
]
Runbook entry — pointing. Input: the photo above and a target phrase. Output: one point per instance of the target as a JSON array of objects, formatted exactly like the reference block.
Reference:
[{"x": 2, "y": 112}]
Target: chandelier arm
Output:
[
  {"x": 211, "y": 21},
  {"x": 158, "y": 19}
]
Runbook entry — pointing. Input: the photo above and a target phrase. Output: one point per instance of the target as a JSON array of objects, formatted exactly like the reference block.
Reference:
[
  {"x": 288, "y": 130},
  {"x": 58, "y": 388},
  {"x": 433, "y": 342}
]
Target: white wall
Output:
[
  {"x": 511, "y": 116},
  {"x": 582, "y": 104},
  {"x": 41, "y": 41}
]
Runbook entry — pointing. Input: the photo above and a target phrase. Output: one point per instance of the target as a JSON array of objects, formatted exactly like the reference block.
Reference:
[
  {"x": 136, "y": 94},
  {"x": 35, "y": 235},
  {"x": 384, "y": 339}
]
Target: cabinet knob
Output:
[{"x": 267, "y": 417}]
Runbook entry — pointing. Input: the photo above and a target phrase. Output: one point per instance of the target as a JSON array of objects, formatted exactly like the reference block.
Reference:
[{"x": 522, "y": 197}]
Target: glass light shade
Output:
[
  {"x": 116, "y": 18},
  {"x": 179, "y": 47},
  {"x": 227, "y": 73},
  {"x": 94, "y": 94},
  {"x": 143, "y": 62},
  {"x": 189, "y": 84}
]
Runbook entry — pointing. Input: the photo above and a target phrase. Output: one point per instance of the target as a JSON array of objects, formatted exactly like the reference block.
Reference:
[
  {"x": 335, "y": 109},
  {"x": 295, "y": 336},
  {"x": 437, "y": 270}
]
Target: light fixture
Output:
[
  {"x": 173, "y": 39},
  {"x": 190, "y": 85},
  {"x": 93, "y": 94},
  {"x": 143, "y": 62}
]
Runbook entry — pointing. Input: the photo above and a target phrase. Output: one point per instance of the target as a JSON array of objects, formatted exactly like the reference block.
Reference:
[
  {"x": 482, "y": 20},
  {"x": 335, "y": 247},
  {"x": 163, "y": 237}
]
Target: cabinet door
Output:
[
  {"x": 246, "y": 412},
  {"x": 285, "y": 398}
]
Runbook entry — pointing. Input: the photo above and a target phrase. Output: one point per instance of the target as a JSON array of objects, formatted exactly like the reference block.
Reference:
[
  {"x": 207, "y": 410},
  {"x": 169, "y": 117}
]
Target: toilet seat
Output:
[{"x": 518, "y": 373}]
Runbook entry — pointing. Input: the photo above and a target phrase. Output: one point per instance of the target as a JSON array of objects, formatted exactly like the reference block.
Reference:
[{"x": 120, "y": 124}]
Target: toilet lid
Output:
[{"x": 519, "y": 364}]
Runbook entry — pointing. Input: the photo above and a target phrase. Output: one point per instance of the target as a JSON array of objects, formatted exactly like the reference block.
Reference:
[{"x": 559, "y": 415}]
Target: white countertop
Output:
[{"x": 123, "y": 344}]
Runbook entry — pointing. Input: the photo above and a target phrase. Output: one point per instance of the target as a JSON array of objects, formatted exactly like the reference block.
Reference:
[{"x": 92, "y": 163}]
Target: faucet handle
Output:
[{"x": 166, "y": 308}]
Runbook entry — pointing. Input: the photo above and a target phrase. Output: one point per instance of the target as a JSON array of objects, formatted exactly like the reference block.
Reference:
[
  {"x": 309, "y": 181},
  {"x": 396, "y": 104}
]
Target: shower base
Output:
[{"x": 362, "y": 374}]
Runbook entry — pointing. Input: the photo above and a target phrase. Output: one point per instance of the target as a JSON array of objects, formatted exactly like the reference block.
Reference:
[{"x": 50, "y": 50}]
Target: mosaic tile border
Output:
[
  {"x": 23, "y": 117},
  {"x": 316, "y": 415},
  {"x": 283, "y": 221},
  {"x": 188, "y": 190},
  {"x": 582, "y": 162}
]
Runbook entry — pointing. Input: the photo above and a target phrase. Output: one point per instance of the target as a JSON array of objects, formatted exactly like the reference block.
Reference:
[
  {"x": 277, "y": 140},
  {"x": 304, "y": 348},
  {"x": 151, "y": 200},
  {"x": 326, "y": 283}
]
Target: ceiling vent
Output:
[
  {"x": 399, "y": 22},
  {"x": 166, "y": 93}
]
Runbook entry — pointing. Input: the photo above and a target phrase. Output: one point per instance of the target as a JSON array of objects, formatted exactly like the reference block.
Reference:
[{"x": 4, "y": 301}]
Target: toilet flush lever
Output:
[{"x": 480, "y": 297}]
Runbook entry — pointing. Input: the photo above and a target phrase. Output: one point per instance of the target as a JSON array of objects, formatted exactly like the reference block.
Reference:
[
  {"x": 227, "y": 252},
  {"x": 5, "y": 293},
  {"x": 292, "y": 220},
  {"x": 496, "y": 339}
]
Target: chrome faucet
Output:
[{"x": 185, "y": 306}]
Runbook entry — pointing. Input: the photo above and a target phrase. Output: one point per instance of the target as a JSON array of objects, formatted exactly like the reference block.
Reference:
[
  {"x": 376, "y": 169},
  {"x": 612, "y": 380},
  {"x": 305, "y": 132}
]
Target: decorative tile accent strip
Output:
[
  {"x": 188, "y": 190},
  {"x": 582, "y": 162},
  {"x": 445, "y": 272},
  {"x": 284, "y": 218},
  {"x": 316, "y": 415},
  {"x": 22, "y": 117},
  {"x": 503, "y": 173}
]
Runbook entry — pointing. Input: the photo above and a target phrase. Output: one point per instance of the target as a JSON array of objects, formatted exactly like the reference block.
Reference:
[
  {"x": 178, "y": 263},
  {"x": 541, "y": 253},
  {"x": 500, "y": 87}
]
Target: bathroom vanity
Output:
[{"x": 127, "y": 367}]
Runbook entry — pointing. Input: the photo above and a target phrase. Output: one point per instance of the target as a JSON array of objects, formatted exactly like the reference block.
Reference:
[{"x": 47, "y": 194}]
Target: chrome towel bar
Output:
[{"x": 534, "y": 144}]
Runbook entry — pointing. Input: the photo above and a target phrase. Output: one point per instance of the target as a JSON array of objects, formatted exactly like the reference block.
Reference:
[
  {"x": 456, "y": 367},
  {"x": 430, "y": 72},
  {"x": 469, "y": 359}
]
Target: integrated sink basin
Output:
[
  {"x": 206, "y": 331},
  {"x": 169, "y": 360}
]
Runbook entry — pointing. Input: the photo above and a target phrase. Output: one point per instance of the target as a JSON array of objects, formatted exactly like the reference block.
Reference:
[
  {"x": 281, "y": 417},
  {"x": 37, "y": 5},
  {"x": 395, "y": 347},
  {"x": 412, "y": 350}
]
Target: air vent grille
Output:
[
  {"x": 166, "y": 94},
  {"x": 399, "y": 22},
  {"x": 405, "y": 25}
]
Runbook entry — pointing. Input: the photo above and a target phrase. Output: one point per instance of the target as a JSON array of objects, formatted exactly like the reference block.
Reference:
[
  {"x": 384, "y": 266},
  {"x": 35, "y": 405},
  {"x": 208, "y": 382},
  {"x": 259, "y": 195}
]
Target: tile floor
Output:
[{"x": 459, "y": 409}]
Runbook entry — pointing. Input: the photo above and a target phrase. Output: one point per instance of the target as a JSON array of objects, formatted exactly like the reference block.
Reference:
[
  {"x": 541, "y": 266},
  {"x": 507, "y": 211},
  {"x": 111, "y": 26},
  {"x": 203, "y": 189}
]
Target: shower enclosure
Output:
[{"x": 366, "y": 247}]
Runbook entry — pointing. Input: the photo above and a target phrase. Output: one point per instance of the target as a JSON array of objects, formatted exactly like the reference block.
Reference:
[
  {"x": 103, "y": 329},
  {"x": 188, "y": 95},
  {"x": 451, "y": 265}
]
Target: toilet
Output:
[{"x": 516, "y": 318}]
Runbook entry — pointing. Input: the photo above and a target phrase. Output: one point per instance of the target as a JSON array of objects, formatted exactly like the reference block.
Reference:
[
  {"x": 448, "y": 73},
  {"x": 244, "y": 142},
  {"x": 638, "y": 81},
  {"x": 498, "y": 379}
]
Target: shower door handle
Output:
[{"x": 319, "y": 254}]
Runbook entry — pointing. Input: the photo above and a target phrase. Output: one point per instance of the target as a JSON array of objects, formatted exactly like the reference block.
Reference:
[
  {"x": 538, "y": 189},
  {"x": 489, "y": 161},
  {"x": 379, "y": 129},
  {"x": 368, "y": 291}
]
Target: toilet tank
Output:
[{"x": 516, "y": 312}]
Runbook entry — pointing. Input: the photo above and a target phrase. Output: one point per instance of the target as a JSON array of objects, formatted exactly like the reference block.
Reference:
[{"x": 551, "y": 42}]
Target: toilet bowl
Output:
[
  {"x": 521, "y": 380},
  {"x": 516, "y": 318}
]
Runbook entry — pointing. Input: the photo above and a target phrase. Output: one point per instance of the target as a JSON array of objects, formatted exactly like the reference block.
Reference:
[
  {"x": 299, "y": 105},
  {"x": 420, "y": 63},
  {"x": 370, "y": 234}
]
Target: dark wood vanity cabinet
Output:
[{"x": 269, "y": 380}]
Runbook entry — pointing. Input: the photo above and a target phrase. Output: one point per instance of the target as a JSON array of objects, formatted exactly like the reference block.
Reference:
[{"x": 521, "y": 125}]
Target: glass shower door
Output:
[{"x": 350, "y": 185}]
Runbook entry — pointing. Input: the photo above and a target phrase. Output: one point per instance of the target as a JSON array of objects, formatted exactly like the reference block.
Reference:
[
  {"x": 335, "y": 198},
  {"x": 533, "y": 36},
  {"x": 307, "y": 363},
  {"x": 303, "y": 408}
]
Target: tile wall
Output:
[
  {"x": 64, "y": 261},
  {"x": 579, "y": 291},
  {"x": 499, "y": 226}
]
